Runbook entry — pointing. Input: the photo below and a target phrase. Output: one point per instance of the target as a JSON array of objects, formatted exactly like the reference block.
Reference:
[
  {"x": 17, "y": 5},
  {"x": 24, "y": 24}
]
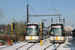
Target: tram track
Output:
[
  {"x": 30, "y": 46},
  {"x": 25, "y": 45},
  {"x": 22, "y": 46},
  {"x": 48, "y": 46},
  {"x": 57, "y": 46},
  {"x": 51, "y": 45}
]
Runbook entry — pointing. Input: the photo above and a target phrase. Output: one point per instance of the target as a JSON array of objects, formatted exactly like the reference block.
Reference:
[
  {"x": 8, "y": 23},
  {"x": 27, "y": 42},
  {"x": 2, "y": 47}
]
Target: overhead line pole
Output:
[
  {"x": 63, "y": 20},
  {"x": 38, "y": 15},
  {"x": 51, "y": 20},
  {"x": 27, "y": 15}
]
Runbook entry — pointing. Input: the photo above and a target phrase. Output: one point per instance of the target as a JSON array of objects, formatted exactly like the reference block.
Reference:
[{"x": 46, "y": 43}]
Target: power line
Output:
[
  {"x": 54, "y": 6},
  {"x": 32, "y": 9},
  {"x": 1, "y": 14}
]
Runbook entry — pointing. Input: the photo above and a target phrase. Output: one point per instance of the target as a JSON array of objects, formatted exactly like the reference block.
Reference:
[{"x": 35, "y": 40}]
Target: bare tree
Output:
[{"x": 1, "y": 14}]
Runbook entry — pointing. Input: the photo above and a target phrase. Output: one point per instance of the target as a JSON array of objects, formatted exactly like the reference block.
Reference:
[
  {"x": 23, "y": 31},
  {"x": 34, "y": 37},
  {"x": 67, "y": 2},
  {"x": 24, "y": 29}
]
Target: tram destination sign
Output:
[
  {"x": 31, "y": 26},
  {"x": 56, "y": 27}
]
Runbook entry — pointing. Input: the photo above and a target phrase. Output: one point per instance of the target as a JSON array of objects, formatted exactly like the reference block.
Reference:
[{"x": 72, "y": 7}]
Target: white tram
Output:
[
  {"x": 32, "y": 32},
  {"x": 73, "y": 34},
  {"x": 57, "y": 33}
]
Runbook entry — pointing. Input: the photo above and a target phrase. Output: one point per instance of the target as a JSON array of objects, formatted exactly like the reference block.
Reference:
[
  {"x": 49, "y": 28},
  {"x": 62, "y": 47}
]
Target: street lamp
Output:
[
  {"x": 43, "y": 20},
  {"x": 21, "y": 22},
  {"x": 55, "y": 11},
  {"x": 21, "y": 17}
]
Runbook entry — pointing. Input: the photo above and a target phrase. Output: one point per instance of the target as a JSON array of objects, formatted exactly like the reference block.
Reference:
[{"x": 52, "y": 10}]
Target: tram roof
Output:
[
  {"x": 32, "y": 23},
  {"x": 56, "y": 23}
]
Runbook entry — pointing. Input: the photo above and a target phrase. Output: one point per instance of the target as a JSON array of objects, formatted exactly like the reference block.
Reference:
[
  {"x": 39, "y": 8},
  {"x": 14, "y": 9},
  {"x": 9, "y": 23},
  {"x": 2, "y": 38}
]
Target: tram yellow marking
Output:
[
  {"x": 31, "y": 38},
  {"x": 56, "y": 38}
]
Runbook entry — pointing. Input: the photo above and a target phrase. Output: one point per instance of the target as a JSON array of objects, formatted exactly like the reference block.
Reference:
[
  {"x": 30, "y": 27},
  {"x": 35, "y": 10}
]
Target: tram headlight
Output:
[
  {"x": 51, "y": 38},
  {"x": 27, "y": 37},
  {"x": 33, "y": 37},
  {"x": 36, "y": 37}
]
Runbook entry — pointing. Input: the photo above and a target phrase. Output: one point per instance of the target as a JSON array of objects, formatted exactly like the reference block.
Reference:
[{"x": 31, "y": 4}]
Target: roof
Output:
[
  {"x": 32, "y": 23},
  {"x": 56, "y": 23}
]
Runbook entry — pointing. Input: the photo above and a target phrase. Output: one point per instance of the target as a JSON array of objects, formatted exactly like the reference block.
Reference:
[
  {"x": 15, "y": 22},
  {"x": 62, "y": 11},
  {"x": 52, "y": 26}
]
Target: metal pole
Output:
[
  {"x": 56, "y": 16},
  {"x": 56, "y": 13},
  {"x": 64, "y": 20},
  {"x": 44, "y": 15},
  {"x": 41, "y": 35},
  {"x": 51, "y": 20},
  {"x": 27, "y": 15},
  {"x": 59, "y": 19}
]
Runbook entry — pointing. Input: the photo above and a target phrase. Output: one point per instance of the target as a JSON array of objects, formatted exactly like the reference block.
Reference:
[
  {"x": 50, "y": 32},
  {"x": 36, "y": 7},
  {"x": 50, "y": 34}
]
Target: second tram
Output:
[
  {"x": 57, "y": 33},
  {"x": 73, "y": 34}
]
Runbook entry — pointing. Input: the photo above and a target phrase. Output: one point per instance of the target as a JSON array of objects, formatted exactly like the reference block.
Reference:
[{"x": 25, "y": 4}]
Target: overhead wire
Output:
[
  {"x": 1, "y": 14},
  {"x": 32, "y": 9},
  {"x": 53, "y": 5}
]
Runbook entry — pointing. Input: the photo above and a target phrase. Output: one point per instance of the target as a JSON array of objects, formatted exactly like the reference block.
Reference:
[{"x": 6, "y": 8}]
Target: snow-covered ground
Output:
[
  {"x": 13, "y": 47},
  {"x": 68, "y": 45}
]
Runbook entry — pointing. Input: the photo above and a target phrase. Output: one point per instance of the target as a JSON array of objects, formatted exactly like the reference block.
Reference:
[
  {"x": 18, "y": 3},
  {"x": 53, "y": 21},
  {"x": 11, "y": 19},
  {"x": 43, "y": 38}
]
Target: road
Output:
[{"x": 68, "y": 45}]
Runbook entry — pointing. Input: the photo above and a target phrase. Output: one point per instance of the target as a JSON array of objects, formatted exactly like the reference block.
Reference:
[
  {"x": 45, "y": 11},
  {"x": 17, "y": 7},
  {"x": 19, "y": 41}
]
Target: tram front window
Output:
[
  {"x": 31, "y": 31},
  {"x": 56, "y": 31}
]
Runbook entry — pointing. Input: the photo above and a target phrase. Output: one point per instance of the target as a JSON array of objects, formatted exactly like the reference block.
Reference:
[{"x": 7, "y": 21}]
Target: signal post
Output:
[
  {"x": 41, "y": 34},
  {"x": 12, "y": 28}
]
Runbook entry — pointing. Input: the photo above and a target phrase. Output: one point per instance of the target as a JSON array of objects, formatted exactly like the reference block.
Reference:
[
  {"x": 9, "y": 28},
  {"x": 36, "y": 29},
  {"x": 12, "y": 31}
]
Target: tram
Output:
[
  {"x": 57, "y": 33},
  {"x": 32, "y": 32},
  {"x": 73, "y": 34}
]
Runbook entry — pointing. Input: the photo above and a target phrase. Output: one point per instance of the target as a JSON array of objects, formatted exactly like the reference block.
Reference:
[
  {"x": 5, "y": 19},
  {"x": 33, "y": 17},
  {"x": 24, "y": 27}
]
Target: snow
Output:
[
  {"x": 37, "y": 46},
  {"x": 52, "y": 47},
  {"x": 25, "y": 47},
  {"x": 68, "y": 45},
  {"x": 13, "y": 47}
]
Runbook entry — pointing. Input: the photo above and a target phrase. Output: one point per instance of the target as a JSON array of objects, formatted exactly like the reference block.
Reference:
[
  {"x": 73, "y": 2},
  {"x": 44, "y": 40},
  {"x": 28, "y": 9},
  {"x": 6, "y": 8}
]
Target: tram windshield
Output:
[
  {"x": 32, "y": 30},
  {"x": 56, "y": 31}
]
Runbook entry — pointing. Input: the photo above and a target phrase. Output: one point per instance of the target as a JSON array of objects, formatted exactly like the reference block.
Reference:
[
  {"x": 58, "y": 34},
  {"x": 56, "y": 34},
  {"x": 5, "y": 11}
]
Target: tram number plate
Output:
[
  {"x": 56, "y": 38},
  {"x": 31, "y": 38}
]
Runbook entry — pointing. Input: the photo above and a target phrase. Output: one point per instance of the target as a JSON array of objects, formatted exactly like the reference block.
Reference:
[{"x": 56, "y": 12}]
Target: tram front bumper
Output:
[
  {"x": 56, "y": 41},
  {"x": 33, "y": 40}
]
